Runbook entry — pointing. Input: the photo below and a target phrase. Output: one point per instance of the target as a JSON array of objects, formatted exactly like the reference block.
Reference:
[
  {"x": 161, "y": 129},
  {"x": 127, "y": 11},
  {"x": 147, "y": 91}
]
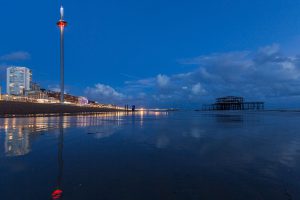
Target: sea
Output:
[{"x": 152, "y": 155}]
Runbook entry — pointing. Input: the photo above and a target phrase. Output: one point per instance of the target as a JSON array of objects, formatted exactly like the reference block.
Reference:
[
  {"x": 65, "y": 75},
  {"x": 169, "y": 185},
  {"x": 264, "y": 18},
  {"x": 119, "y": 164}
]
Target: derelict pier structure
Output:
[{"x": 234, "y": 103}]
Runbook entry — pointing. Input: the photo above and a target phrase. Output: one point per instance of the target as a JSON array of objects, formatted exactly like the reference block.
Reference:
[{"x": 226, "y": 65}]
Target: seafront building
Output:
[{"x": 18, "y": 80}]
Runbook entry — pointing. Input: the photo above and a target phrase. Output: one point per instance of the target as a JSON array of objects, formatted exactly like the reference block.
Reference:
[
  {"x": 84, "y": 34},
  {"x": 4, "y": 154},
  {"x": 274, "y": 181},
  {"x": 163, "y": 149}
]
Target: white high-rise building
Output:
[{"x": 18, "y": 80}]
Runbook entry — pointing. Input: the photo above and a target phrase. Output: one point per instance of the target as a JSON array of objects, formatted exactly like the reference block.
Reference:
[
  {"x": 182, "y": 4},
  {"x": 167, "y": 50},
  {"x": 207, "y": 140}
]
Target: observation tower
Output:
[{"x": 61, "y": 25}]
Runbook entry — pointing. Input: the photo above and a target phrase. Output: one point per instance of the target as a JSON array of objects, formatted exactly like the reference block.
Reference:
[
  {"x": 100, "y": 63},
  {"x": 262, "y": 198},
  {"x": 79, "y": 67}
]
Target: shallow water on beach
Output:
[{"x": 152, "y": 155}]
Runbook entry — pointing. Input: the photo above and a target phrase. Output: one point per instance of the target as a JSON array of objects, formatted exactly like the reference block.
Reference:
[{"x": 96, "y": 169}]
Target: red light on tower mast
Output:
[{"x": 61, "y": 23}]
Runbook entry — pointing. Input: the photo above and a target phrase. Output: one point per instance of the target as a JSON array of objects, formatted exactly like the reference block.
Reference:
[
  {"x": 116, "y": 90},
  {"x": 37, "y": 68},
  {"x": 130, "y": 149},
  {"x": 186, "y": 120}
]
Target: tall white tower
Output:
[{"x": 62, "y": 24}]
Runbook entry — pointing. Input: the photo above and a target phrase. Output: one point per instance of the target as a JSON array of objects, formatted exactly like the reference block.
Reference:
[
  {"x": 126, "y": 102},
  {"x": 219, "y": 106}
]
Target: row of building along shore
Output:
[{"x": 20, "y": 87}]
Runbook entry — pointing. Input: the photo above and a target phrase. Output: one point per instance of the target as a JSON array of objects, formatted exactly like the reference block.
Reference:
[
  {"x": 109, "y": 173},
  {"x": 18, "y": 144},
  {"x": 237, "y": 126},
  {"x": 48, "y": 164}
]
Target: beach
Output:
[{"x": 152, "y": 155}]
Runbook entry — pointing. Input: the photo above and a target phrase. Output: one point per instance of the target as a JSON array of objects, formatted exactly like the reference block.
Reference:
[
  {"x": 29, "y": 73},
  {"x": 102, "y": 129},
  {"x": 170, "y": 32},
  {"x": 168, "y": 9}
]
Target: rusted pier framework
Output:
[{"x": 233, "y": 103}]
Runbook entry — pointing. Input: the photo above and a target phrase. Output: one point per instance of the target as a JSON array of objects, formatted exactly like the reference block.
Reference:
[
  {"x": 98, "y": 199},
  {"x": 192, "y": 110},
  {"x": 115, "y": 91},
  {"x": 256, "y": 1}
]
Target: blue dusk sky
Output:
[{"x": 159, "y": 53}]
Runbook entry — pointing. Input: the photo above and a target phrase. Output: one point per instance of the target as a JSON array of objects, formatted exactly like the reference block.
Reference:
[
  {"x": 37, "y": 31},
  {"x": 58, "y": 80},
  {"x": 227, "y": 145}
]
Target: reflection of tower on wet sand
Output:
[{"x": 58, "y": 192}]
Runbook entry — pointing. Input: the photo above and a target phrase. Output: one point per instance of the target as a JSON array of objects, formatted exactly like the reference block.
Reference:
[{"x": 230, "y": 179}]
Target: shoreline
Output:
[
  {"x": 14, "y": 108},
  {"x": 249, "y": 111}
]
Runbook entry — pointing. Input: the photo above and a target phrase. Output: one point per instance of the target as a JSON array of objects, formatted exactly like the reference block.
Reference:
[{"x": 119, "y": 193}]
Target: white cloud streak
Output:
[
  {"x": 104, "y": 93},
  {"x": 16, "y": 56}
]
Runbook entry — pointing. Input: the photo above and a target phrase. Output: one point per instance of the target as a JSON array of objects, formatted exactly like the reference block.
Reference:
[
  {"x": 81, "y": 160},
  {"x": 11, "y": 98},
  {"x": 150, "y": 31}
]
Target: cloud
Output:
[
  {"x": 162, "y": 80},
  {"x": 16, "y": 56},
  {"x": 197, "y": 89},
  {"x": 265, "y": 74},
  {"x": 261, "y": 74},
  {"x": 104, "y": 93}
]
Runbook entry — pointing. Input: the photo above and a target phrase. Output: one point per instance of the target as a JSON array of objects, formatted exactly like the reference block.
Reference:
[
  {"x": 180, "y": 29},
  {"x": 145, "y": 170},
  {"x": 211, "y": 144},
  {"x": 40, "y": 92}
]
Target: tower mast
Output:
[{"x": 62, "y": 24}]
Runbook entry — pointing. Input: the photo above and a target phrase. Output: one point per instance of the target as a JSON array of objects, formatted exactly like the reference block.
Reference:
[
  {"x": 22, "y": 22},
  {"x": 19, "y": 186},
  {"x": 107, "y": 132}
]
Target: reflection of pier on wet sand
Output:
[{"x": 25, "y": 108}]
